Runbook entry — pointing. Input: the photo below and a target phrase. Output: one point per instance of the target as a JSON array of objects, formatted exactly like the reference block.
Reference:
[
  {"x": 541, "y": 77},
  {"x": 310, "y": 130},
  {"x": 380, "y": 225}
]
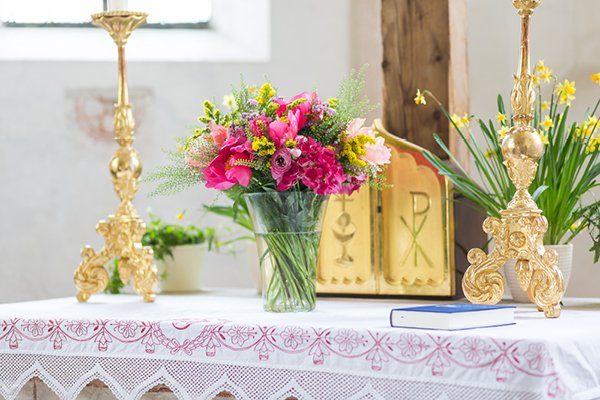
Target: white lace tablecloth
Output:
[{"x": 203, "y": 344}]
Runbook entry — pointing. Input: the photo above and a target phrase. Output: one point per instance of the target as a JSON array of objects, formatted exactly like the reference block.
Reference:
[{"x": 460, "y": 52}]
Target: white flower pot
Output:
[
  {"x": 184, "y": 269},
  {"x": 565, "y": 263}
]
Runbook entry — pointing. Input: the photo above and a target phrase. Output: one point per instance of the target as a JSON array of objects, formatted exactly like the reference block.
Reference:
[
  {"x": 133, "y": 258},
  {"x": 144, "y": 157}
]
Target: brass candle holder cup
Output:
[
  {"x": 519, "y": 233},
  {"x": 123, "y": 231}
]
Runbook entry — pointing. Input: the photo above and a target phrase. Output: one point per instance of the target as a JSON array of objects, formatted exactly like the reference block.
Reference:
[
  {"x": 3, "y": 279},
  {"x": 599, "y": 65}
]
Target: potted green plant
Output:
[
  {"x": 567, "y": 174},
  {"x": 179, "y": 251}
]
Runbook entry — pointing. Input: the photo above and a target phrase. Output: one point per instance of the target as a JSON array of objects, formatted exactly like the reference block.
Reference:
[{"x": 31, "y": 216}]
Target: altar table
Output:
[{"x": 201, "y": 345}]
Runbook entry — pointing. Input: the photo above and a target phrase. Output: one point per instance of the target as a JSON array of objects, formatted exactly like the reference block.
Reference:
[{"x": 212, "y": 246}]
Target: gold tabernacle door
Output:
[{"x": 397, "y": 241}]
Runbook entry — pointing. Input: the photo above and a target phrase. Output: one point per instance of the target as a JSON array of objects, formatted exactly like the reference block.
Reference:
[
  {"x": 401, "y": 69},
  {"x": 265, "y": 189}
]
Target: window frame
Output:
[{"x": 238, "y": 31}]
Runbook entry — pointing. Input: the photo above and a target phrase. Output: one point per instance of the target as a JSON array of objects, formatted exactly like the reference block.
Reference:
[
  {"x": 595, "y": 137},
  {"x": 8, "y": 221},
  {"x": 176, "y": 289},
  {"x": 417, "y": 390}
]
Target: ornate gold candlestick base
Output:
[
  {"x": 519, "y": 233},
  {"x": 123, "y": 231}
]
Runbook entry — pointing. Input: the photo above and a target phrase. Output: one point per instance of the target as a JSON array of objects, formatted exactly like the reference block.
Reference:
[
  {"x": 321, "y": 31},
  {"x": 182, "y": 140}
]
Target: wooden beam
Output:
[{"x": 425, "y": 47}]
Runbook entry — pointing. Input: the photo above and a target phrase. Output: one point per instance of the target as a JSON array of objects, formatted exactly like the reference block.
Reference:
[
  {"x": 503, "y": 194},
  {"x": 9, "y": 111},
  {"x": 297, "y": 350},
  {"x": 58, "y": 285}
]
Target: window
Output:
[
  {"x": 181, "y": 14},
  {"x": 199, "y": 31}
]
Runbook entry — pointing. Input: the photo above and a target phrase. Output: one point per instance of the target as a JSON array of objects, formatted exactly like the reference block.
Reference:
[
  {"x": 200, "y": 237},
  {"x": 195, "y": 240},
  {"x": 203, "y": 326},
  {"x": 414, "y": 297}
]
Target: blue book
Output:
[{"x": 452, "y": 317}]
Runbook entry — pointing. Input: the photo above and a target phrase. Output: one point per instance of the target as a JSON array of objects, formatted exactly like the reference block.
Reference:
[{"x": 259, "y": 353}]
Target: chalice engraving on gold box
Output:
[
  {"x": 123, "y": 231},
  {"x": 519, "y": 233}
]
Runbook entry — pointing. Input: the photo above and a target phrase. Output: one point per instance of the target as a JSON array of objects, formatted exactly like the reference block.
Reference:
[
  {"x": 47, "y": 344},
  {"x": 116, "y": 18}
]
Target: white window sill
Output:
[{"x": 240, "y": 33}]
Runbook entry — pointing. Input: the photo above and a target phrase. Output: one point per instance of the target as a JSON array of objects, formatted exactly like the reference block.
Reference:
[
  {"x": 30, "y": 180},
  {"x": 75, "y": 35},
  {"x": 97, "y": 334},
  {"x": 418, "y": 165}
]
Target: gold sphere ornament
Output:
[{"x": 522, "y": 142}]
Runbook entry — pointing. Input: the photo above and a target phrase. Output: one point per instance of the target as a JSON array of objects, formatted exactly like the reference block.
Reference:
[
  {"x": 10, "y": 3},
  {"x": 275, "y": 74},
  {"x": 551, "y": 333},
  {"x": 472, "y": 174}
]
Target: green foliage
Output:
[
  {"x": 568, "y": 170},
  {"x": 350, "y": 103},
  {"x": 115, "y": 284},
  {"x": 163, "y": 237},
  {"x": 592, "y": 216},
  {"x": 173, "y": 178}
]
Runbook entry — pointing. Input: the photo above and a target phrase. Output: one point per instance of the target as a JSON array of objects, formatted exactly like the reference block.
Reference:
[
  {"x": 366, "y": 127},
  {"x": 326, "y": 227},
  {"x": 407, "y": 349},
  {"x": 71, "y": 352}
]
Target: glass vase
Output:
[{"x": 287, "y": 226}]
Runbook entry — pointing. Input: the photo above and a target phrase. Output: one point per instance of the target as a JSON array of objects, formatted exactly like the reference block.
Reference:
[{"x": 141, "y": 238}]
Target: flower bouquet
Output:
[{"x": 279, "y": 159}]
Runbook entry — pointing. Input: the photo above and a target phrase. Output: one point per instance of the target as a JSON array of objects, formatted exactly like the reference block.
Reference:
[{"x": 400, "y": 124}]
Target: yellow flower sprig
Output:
[
  {"x": 420, "y": 98},
  {"x": 566, "y": 92}
]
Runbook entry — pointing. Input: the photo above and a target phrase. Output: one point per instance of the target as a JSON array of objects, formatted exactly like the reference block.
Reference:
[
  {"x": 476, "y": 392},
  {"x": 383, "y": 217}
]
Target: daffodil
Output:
[
  {"x": 547, "y": 123},
  {"x": 594, "y": 145},
  {"x": 566, "y": 92},
  {"x": 501, "y": 118},
  {"x": 460, "y": 121},
  {"x": 502, "y": 132},
  {"x": 545, "y": 105},
  {"x": 595, "y": 78},
  {"x": 575, "y": 225},
  {"x": 539, "y": 66},
  {"x": 543, "y": 71},
  {"x": 588, "y": 127},
  {"x": 465, "y": 119},
  {"x": 420, "y": 98},
  {"x": 489, "y": 153},
  {"x": 229, "y": 101},
  {"x": 180, "y": 216},
  {"x": 544, "y": 138},
  {"x": 535, "y": 79}
]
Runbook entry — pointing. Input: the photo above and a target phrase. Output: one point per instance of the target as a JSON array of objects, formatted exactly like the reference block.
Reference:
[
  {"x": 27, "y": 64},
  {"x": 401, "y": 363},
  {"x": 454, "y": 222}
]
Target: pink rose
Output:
[{"x": 283, "y": 169}]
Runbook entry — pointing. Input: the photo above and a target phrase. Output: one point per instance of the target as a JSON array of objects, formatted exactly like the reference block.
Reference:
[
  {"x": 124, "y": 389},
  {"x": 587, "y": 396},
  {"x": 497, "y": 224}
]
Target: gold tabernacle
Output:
[
  {"x": 123, "y": 231},
  {"x": 398, "y": 241},
  {"x": 519, "y": 233}
]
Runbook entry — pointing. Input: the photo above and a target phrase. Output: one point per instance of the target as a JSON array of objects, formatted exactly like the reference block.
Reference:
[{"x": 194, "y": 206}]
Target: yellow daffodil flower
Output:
[
  {"x": 595, "y": 78},
  {"x": 539, "y": 66},
  {"x": 594, "y": 145},
  {"x": 180, "y": 216},
  {"x": 420, "y": 98},
  {"x": 544, "y": 138},
  {"x": 542, "y": 72},
  {"x": 489, "y": 153},
  {"x": 502, "y": 132},
  {"x": 501, "y": 118},
  {"x": 575, "y": 225},
  {"x": 536, "y": 80},
  {"x": 566, "y": 92},
  {"x": 547, "y": 123},
  {"x": 545, "y": 105},
  {"x": 460, "y": 121},
  {"x": 546, "y": 75},
  {"x": 465, "y": 119},
  {"x": 588, "y": 127}
]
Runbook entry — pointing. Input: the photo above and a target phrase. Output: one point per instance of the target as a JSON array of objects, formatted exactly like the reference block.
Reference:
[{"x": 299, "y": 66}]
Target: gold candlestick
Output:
[
  {"x": 124, "y": 230},
  {"x": 519, "y": 233}
]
